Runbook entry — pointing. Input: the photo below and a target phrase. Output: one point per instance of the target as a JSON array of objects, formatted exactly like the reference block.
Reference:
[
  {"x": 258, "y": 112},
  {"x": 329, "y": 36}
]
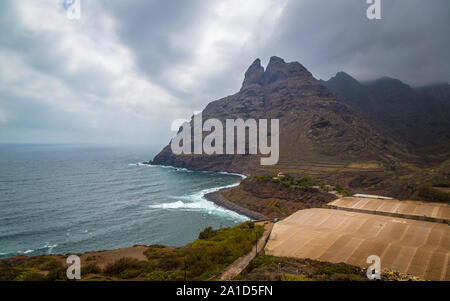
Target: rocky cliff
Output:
[{"x": 315, "y": 127}]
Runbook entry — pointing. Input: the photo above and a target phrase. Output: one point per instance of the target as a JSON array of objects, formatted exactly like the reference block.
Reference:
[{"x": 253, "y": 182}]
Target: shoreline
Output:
[{"x": 217, "y": 198}]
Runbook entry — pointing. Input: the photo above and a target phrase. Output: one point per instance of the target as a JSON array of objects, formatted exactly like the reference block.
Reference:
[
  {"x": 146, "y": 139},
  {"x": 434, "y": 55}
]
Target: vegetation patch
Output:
[
  {"x": 288, "y": 180},
  {"x": 39, "y": 268},
  {"x": 271, "y": 268},
  {"x": 341, "y": 190},
  {"x": 202, "y": 259}
]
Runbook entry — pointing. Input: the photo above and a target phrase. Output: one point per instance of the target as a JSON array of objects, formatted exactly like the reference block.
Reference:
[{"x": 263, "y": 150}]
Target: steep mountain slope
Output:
[
  {"x": 419, "y": 118},
  {"x": 315, "y": 127}
]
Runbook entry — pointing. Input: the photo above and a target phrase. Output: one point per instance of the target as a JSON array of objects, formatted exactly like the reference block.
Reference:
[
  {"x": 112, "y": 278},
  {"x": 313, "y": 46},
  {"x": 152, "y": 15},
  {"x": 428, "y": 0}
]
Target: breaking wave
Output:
[{"x": 198, "y": 202}]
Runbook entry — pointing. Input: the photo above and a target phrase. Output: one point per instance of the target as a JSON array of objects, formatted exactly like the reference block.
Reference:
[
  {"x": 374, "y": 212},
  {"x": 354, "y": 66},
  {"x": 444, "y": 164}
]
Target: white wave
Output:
[
  {"x": 164, "y": 166},
  {"x": 189, "y": 170},
  {"x": 46, "y": 246},
  {"x": 139, "y": 164},
  {"x": 233, "y": 174},
  {"x": 50, "y": 248},
  {"x": 197, "y": 201}
]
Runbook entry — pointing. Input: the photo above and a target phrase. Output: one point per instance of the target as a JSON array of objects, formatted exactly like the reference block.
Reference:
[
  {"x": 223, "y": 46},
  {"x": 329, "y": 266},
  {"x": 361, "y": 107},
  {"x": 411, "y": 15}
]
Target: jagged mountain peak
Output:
[
  {"x": 254, "y": 74},
  {"x": 276, "y": 70}
]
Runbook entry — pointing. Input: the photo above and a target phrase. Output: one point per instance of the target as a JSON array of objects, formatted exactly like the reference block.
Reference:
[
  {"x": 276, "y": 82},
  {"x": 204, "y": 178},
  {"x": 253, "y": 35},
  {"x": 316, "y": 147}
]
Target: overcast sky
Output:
[{"x": 126, "y": 69}]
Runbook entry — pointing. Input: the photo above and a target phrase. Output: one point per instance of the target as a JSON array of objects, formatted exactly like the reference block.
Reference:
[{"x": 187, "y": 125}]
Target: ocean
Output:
[{"x": 64, "y": 199}]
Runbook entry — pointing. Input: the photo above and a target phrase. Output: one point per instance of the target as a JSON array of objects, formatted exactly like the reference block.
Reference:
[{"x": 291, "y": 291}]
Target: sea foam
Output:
[{"x": 197, "y": 201}]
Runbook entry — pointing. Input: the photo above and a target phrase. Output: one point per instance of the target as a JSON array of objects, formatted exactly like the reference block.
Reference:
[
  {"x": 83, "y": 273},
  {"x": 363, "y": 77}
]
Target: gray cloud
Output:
[
  {"x": 126, "y": 69},
  {"x": 410, "y": 42}
]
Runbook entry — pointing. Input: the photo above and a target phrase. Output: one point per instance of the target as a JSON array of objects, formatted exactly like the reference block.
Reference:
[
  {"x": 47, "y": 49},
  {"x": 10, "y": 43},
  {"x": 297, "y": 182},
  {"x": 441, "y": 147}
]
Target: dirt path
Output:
[{"x": 241, "y": 263}]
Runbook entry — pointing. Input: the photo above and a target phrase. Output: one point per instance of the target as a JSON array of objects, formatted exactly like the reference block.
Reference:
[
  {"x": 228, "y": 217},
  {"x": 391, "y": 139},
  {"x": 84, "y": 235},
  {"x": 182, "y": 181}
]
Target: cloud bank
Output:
[{"x": 126, "y": 69}]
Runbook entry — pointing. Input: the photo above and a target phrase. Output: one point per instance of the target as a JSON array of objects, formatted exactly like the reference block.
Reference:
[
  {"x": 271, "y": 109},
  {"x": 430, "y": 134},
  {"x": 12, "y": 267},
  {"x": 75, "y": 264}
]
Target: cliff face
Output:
[{"x": 314, "y": 125}]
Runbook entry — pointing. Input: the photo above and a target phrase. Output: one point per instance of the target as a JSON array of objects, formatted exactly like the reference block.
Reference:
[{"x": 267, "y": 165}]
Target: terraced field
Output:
[
  {"x": 418, "y": 248},
  {"x": 410, "y": 209},
  {"x": 319, "y": 167}
]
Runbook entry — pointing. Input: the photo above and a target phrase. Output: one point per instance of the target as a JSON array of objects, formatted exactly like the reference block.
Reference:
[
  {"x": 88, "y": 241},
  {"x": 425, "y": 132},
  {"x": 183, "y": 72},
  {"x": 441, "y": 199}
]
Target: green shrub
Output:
[
  {"x": 204, "y": 258},
  {"x": 30, "y": 276},
  {"x": 130, "y": 273},
  {"x": 57, "y": 274},
  {"x": 262, "y": 260},
  {"x": 168, "y": 264},
  {"x": 157, "y": 246},
  {"x": 157, "y": 276},
  {"x": 306, "y": 182},
  {"x": 247, "y": 225},
  {"x": 207, "y": 233},
  {"x": 295, "y": 278},
  {"x": 41, "y": 263},
  {"x": 9, "y": 274},
  {"x": 120, "y": 265},
  {"x": 341, "y": 190}
]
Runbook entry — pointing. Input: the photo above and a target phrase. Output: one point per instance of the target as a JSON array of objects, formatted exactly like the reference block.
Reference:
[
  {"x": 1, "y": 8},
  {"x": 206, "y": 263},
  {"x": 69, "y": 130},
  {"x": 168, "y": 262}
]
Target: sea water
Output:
[{"x": 62, "y": 199}]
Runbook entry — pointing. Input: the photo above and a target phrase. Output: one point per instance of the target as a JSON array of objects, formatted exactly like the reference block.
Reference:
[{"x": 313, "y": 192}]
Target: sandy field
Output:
[{"x": 415, "y": 247}]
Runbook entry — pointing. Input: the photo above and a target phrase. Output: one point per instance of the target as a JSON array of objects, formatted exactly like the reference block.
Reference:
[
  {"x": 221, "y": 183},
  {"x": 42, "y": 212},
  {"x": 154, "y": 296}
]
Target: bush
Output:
[
  {"x": 205, "y": 258},
  {"x": 130, "y": 273},
  {"x": 288, "y": 180},
  {"x": 90, "y": 269},
  {"x": 30, "y": 276},
  {"x": 295, "y": 278},
  {"x": 207, "y": 233},
  {"x": 157, "y": 276},
  {"x": 42, "y": 263},
  {"x": 340, "y": 268},
  {"x": 341, "y": 190},
  {"x": 9, "y": 274},
  {"x": 57, "y": 274},
  {"x": 306, "y": 182},
  {"x": 247, "y": 225},
  {"x": 169, "y": 264},
  {"x": 121, "y": 265}
]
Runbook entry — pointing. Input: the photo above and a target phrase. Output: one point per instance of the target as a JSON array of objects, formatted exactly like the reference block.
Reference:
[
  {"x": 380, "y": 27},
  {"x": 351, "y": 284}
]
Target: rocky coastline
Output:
[{"x": 217, "y": 198}]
